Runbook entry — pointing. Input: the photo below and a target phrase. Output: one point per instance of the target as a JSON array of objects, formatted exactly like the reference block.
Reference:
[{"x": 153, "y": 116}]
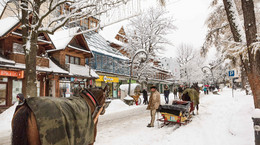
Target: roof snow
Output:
[
  {"x": 2, "y": 5},
  {"x": 56, "y": 69},
  {"x": 98, "y": 44},
  {"x": 3, "y": 60},
  {"x": 7, "y": 23},
  {"x": 82, "y": 71},
  {"x": 62, "y": 38},
  {"x": 110, "y": 32}
]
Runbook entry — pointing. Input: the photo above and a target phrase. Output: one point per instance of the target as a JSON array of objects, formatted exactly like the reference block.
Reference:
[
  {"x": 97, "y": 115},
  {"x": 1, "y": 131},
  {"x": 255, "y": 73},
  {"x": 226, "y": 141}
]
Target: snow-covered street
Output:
[{"x": 222, "y": 120}]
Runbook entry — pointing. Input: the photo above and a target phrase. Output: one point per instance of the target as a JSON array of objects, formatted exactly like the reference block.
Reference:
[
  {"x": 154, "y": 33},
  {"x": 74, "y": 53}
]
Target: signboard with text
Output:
[{"x": 231, "y": 73}]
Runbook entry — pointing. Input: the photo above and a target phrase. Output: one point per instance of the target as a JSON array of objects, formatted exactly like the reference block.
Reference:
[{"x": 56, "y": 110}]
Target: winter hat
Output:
[
  {"x": 153, "y": 87},
  {"x": 20, "y": 96}
]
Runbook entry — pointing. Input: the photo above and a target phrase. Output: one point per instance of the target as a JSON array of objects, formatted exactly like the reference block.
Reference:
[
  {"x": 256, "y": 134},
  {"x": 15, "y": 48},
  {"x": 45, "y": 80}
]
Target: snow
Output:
[
  {"x": 6, "y": 119},
  {"x": 7, "y": 23},
  {"x": 62, "y": 38},
  {"x": 128, "y": 98},
  {"x": 222, "y": 120},
  {"x": 55, "y": 68},
  {"x": 82, "y": 71},
  {"x": 22, "y": 66},
  {"x": 6, "y": 60},
  {"x": 256, "y": 113},
  {"x": 124, "y": 87}
]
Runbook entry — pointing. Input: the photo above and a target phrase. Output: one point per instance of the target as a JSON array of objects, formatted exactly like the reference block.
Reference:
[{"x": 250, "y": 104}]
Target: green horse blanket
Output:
[{"x": 63, "y": 121}]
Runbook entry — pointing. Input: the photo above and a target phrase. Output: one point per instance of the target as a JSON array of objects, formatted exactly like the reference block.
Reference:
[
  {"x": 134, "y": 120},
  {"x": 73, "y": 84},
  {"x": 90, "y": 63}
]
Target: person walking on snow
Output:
[
  {"x": 145, "y": 96},
  {"x": 175, "y": 93},
  {"x": 153, "y": 105},
  {"x": 166, "y": 94}
]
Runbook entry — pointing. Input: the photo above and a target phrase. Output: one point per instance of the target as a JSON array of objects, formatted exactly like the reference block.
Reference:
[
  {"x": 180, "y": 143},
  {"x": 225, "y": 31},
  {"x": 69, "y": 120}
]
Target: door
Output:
[{"x": 3, "y": 94}]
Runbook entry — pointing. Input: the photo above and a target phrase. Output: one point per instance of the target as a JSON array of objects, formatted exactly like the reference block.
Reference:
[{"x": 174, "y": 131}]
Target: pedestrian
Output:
[
  {"x": 205, "y": 90},
  {"x": 166, "y": 94},
  {"x": 145, "y": 97},
  {"x": 153, "y": 105},
  {"x": 20, "y": 98},
  {"x": 180, "y": 90},
  {"x": 175, "y": 93}
]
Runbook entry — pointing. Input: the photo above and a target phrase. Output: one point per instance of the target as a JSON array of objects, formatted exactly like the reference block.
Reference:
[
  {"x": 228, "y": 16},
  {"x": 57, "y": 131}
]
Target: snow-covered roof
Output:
[
  {"x": 98, "y": 44},
  {"x": 62, "y": 38},
  {"x": 3, "y": 60},
  {"x": 56, "y": 69},
  {"x": 7, "y": 23},
  {"x": 2, "y": 6},
  {"x": 110, "y": 32},
  {"x": 22, "y": 66},
  {"x": 82, "y": 71}
]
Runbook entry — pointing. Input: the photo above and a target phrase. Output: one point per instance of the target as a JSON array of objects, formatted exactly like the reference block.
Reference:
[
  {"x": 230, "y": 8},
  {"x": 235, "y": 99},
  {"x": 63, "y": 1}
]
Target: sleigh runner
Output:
[{"x": 177, "y": 113}]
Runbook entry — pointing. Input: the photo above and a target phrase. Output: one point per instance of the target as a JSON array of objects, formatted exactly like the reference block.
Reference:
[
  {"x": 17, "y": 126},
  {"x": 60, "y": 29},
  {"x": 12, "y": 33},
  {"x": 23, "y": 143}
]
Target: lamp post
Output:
[
  {"x": 210, "y": 68},
  {"x": 131, "y": 67}
]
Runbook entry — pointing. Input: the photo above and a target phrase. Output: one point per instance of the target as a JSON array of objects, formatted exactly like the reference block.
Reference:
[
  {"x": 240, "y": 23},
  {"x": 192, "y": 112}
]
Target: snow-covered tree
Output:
[
  {"x": 147, "y": 32},
  {"x": 190, "y": 63},
  {"x": 237, "y": 36},
  {"x": 38, "y": 16}
]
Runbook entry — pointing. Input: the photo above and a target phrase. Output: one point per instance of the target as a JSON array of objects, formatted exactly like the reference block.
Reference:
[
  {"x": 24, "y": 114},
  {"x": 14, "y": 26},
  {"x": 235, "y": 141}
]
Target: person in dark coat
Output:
[
  {"x": 175, "y": 93},
  {"x": 145, "y": 97},
  {"x": 166, "y": 94},
  {"x": 20, "y": 98},
  {"x": 180, "y": 90}
]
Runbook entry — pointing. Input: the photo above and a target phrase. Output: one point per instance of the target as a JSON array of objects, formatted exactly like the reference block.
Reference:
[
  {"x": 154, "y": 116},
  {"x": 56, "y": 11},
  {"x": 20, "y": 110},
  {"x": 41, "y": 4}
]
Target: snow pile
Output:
[
  {"x": 117, "y": 106},
  {"x": 128, "y": 98},
  {"x": 6, "y": 119}
]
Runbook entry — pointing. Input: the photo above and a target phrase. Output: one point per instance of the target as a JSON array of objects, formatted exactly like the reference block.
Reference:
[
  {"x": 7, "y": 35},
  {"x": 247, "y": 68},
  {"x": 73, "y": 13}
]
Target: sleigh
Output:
[{"x": 177, "y": 113}]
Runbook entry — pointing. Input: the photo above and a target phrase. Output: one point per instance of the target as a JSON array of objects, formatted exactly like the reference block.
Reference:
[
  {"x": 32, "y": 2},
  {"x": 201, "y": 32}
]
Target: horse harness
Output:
[{"x": 98, "y": 108}]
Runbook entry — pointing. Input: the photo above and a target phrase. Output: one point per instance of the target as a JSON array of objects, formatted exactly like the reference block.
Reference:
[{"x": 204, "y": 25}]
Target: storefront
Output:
[
  {"x": 10, "y": 85},
  {"x": 112, "y": 82}
]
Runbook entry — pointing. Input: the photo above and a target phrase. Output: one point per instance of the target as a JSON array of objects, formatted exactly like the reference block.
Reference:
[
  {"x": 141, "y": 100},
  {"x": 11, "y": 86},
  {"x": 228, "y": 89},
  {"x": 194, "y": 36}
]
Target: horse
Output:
[
  {"x": 192, "y": 94},
  {"x": 25, "y": 130}
]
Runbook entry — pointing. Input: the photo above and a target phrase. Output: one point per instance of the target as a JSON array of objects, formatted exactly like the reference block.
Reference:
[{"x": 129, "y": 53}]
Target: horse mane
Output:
[
  {"x": 20, "y": 125},
  {"x": 97, "y": 93}
]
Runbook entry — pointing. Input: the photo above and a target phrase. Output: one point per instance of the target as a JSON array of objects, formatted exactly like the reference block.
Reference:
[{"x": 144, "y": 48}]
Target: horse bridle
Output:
[{"x": 98, "y": 107}]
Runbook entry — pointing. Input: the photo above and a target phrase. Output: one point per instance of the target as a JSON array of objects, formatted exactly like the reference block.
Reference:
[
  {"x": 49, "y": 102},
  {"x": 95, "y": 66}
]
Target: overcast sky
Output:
[{"x": 190, "y": 16}]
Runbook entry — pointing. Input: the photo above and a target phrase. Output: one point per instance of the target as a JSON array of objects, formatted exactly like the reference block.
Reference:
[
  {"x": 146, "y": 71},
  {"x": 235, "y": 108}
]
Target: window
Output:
[
  {"x": 72, "y": 59},
  {"x": 18, "y": 48},
  {"x": 17, "y": 88}
]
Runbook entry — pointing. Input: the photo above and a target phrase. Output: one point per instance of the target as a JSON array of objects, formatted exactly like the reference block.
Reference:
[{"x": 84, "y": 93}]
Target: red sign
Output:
[{"x": 18, "y": 74}]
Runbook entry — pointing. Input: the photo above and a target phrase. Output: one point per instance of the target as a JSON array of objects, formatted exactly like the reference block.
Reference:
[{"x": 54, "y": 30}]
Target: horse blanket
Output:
[
  {"x": 194, "y": 95},
  {"x": 63, "y": 121}
]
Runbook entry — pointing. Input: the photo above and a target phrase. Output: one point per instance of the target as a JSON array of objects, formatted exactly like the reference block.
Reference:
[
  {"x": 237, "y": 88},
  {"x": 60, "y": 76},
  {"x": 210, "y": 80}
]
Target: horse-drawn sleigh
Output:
[
  {"x": 59, "y": 121},
  {"x": 180, "y": 112}
]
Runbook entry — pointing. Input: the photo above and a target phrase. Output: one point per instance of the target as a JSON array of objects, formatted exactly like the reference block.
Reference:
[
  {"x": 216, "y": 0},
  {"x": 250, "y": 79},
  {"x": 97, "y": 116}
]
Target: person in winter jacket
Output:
[
  {"x": 166, "y": 94},
  {"x": 153, "y": 105},
  {"x": 180, "y": 90}
]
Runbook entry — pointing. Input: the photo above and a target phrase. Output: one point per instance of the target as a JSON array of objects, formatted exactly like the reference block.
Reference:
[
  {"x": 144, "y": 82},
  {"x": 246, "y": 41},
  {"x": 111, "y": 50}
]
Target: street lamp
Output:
[
  {"x": 143, "y": 59},
  {"x": 210, "y": 68}
]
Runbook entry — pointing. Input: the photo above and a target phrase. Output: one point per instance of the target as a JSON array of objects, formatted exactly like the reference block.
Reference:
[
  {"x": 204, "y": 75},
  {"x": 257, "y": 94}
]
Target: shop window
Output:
[
  {"x": 17, "y": 88},
  {"x": 3, "y": 91}
]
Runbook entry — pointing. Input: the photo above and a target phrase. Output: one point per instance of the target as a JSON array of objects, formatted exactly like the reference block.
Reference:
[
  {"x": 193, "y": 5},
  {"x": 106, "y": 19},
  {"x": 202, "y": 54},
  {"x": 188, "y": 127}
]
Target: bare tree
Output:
[{"x": 37, "y": 16}]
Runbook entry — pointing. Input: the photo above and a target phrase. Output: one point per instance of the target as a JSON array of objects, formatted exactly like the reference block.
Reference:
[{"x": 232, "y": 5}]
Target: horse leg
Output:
[
  {"x": 197, "y": 107},
  {"x": 32, "y": 132}
]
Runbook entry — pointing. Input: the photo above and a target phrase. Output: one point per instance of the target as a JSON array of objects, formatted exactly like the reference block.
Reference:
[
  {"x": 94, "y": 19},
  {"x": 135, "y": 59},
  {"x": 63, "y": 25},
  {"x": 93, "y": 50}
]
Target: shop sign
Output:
[
  {"x": 18, "y": 74},
  {"x": 107, "y": 79},
  {"x": 132, "y": 81}
]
